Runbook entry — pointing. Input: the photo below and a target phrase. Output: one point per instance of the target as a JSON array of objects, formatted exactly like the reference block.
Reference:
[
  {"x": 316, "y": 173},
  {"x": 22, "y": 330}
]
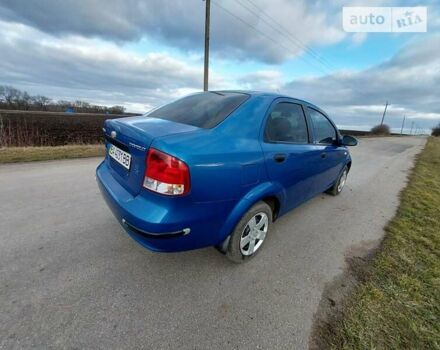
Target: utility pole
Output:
[
  {"x": 206, "y": 67},
  {"x": 384, "y": 111},
  {"x": 412, "y": 126},
  {"x": 403, "y": 124}
]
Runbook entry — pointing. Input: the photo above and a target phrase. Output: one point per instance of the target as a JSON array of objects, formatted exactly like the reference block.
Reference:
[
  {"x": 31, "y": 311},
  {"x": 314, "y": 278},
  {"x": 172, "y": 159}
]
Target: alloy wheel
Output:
[
  {"x": 342, "y": 181},
  {"x": 254, "y": 233}
]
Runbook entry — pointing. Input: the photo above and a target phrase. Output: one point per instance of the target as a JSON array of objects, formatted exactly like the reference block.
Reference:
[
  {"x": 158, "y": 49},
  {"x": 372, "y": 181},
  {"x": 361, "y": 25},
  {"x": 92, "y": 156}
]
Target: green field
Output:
[{"x": 398, "y": 304}]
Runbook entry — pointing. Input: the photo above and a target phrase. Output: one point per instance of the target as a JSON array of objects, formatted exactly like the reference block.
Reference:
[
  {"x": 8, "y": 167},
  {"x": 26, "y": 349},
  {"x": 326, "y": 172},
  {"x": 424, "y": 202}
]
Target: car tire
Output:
[
  {"x": 339, "y": 184},
  {"x": 250, "y": 233}
]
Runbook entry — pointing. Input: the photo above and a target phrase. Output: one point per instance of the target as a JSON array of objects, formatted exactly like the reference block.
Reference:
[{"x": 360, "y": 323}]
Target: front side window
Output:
[
  {"x": 323, "y": 130},
  {"x": 287, "y": 123},
  {"x": 203, "y": 110}
]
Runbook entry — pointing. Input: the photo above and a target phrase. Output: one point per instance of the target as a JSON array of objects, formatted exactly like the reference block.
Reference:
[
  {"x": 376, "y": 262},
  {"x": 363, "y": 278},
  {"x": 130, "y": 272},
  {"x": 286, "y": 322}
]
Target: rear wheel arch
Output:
[
  {"x": 274, "y": 204},
  {"x": 269, "y": 192},
  {"x": 249, "y": 233},
  {"x": 340, "y": 182}
]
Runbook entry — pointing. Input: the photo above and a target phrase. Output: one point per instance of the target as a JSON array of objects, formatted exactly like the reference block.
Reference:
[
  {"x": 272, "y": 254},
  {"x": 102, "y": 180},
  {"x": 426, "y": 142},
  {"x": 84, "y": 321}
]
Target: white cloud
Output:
[
  {"x": 262, "y": 80},
  {"x": 91, "y": 69},
  {"x": 359, "y": 38},
  {"x": 181, "y": 24}
]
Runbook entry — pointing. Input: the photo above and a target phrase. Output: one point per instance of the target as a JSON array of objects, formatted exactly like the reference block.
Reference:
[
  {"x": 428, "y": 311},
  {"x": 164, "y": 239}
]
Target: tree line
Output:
[{"x": 15, "y": 99}]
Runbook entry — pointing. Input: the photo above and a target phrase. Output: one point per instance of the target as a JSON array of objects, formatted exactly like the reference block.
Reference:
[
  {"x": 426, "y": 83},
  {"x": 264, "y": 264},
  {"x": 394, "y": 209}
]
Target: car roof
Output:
[{"x": 274, "y": 95}]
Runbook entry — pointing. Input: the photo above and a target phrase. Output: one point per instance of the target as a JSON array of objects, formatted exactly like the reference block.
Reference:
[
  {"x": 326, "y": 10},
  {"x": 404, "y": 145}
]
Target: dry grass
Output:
[
  {"x": 29, "y": 154},
  {"x": 398, "y": 304}
]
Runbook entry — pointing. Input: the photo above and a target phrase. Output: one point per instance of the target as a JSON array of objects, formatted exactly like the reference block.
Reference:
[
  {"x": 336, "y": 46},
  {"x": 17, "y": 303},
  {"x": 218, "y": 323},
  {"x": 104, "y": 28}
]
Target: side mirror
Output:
[{"x": 348, "y": 140}]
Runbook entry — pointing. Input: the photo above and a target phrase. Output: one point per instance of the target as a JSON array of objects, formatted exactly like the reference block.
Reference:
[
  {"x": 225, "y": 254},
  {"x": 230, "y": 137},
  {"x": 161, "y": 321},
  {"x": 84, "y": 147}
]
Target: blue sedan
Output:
[{"x": 218, "y": 168}]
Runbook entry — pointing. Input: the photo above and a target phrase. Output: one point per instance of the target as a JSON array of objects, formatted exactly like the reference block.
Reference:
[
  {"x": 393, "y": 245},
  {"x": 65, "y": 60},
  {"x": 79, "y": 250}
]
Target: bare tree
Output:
[
  {"x": 41, "y": 102},
  {"x": 12, "y": 98}
]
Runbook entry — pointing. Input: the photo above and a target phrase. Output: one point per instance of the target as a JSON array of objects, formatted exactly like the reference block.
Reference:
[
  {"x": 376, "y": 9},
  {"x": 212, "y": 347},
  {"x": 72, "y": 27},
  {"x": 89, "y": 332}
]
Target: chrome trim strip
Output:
[{"x": 182, "y": 232}]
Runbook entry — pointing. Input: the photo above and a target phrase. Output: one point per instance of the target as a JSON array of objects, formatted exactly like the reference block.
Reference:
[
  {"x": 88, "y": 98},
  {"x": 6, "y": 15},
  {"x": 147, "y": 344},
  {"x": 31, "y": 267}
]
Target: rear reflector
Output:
[{"x": 166, "y": 174}]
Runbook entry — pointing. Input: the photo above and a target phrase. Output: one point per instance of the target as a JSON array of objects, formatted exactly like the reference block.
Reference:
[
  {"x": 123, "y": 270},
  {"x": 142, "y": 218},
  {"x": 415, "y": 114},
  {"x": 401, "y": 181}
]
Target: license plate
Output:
[{"x": 120, "y": 156}]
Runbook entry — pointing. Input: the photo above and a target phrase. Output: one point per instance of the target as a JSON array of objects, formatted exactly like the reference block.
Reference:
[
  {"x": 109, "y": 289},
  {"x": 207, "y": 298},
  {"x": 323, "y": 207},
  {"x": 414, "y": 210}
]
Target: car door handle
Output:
[
  {"x": 279, "y": 157},
  {"x": 323, "y": 155}
]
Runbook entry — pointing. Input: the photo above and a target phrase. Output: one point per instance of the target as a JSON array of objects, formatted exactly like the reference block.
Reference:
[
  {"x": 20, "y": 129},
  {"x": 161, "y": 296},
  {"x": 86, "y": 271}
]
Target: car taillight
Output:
[{"x": 166, "y": 174}]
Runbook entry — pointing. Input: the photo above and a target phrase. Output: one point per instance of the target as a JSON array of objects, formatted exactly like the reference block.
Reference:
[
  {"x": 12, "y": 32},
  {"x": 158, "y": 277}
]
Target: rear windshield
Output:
[{"x": 203, "y": 110}]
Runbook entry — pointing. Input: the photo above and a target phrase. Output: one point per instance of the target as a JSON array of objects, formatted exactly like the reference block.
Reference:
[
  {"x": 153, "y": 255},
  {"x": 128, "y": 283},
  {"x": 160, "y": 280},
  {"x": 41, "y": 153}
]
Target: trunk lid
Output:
[{"x": 134, "y": 135}]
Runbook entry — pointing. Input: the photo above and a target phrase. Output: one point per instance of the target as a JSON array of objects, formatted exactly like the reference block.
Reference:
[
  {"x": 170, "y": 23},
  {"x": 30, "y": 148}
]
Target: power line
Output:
[
  {"x": 262, "y": 33},
  {"x": 284, "y": 31},
  {"x": 270, "y": 38},
  {"x": 288, "y": 35},
  {"x": 275, "y": 41}
]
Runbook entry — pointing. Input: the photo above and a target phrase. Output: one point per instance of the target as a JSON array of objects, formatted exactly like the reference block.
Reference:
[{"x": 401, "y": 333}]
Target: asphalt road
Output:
[{"x": 71, "y": 278}]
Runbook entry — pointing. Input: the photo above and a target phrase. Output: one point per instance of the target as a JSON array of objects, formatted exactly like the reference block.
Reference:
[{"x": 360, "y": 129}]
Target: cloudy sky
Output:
[{"x": 143, "y": 53}]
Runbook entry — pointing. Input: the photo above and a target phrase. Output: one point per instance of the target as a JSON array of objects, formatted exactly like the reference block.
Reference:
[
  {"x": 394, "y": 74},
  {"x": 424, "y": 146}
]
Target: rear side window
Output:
[
  {"x": 287, "y": 123},
  {"x": 203, "y": 110},
  {"x": 323, "y": 130}
]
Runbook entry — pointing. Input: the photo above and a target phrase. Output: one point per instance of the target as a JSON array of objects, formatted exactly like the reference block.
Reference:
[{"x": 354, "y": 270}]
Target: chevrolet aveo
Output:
[{"x": 217, "y": 168}]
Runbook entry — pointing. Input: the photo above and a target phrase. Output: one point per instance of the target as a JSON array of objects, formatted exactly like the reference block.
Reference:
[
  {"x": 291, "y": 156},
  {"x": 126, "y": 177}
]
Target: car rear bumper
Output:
[{"x": 159, "y": 226}]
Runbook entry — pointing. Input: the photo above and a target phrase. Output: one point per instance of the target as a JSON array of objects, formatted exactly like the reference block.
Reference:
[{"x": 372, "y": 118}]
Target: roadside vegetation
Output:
[
  {"x": 436, "y": 130},
  {"x": 29, "y": 154},
  {"x": 381, "y": 129},
  {"x": 397, "y": 304},
  {"x": 20, "y": 129}
]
